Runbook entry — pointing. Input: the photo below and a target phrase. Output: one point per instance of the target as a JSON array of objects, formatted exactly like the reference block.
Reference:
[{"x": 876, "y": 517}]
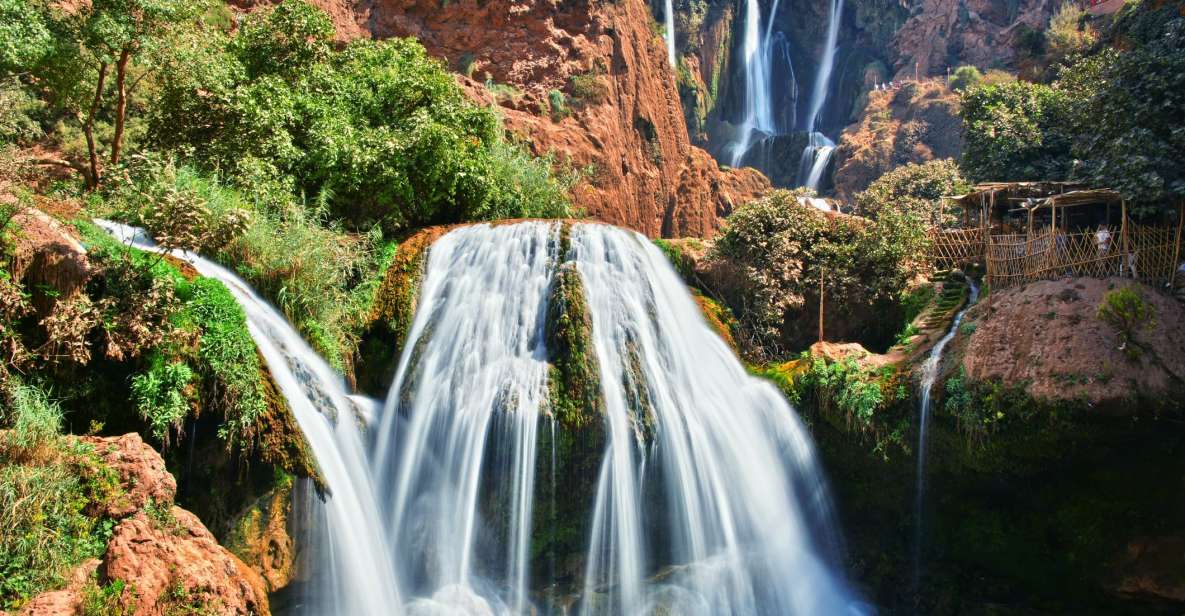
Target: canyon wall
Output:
[{"x": 587, "y": 82}]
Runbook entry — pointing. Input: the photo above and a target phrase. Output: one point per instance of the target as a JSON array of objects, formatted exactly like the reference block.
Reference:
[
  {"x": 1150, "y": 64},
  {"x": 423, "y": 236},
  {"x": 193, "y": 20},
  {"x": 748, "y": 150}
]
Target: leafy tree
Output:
[
  {"x": 1130, "y": 109},
  {"x": 917, "y": 188},
  {"x": 25, "y": 37},
  {"x": 1069, "y": 33},
  {"x": 964, "y": 77},
  {"x": 780, "y": 249},
  {"x": 377, "y": 132},
  {"x": 100, "y": 43},
  {"x": 1016, "y": 131}
]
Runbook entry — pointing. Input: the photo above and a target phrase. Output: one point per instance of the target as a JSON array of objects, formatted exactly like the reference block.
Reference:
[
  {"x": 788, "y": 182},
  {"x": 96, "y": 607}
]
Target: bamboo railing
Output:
[{"x": 1144, "y": 253}]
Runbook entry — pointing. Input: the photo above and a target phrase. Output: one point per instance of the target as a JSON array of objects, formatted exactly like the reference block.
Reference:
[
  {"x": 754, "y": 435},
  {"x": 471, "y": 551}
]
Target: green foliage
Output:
[
  {"x": 917, "y": 188},
  {"x": 378, "y": 131},
  {"x": 108, "y": 599},
  {"x": 1069, "y": 33},
  {"x": 558, "y": 104},
  {"x": 19, "y": 110},
  {"x": 1130, "y": 108},
  {"x": 782, "y": 248},
  {"x": 25, "y": 37},
  {"x": 867, "y": 401},
  {"x": 1016, "y": 131},
  {"x": 986, "y": 408},
  {"x": 588, "y": 88},
  {"x": 964, "y": 78},
  {"x": 160, "y": 395},
  {"x": 44, "y": 530},
  {"x": 228, "y": 353},
  {"x": 1127, "y": 312}
]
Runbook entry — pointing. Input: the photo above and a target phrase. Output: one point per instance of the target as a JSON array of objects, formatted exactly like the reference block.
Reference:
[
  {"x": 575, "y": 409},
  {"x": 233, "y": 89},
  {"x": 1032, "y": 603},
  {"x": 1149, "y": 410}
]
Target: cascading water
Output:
[
  {"x": 929, "y": 375},
  {"x": 468, "y": 390},
  {"x": 756, "y": 49},
  {"x": 817, "y": 154},
  {"x": 708, "y": 501},
  {"x": 669, "y": 24},
  {"x": 353, "y": 572},
  {"x": 746, "y": 523}
]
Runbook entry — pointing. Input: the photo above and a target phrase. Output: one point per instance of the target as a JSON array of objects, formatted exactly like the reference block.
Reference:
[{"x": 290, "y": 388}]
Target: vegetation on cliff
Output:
[
  {"x": 1111, "y": 117},
  {"x": 781, "y": 249}
]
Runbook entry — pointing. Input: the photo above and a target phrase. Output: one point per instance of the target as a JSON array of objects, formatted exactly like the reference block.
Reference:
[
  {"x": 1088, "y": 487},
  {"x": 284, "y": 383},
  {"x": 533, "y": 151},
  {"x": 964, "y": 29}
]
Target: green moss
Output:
[{"x": 575, "y": 390}]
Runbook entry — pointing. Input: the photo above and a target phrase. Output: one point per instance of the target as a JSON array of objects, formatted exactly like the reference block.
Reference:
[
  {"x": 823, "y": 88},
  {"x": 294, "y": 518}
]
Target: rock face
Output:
[
  {"x": 588, "y": 82},
  {"x": 168, "y": 561},
  {"x": 942, "y": 34},
  {"x": 915, "y": 124},
  {"x": 173, "y": 562},
  {"x": 1046, "y": 337}
]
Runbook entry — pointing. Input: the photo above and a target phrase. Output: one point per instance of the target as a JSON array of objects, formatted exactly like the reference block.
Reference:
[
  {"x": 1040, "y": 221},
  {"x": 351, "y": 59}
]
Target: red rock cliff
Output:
[{"x": 620, "y": 117}]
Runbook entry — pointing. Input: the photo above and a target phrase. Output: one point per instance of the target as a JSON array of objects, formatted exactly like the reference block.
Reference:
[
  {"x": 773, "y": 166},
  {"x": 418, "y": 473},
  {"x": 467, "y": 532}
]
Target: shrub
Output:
[
  {"x": 589, "y": 88},
  {"x": 964, "y": 77},
  {"x": 1069, "y": 33},
  {"x": 558, "y": 104},
  {"x": 160, "y": 395},
  {"x": 1016, "y": 131},
  {"x": 1127, "y": 312},
  {"x": 781, "y": 249},
  {"x": 917, "y": 188},
  {"x": 44, "y": 531}
]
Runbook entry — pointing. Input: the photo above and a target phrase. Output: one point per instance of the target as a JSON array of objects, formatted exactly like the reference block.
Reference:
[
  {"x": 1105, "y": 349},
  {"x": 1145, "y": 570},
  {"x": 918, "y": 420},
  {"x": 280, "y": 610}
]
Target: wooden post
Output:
[
  {"x": 1177, "y": 248},
  {"x": 1123, "y": 236},
  {"x": 820, "y": 304}
]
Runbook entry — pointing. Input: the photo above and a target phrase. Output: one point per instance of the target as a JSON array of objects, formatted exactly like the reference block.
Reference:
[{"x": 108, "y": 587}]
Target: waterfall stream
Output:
[
  {"x": 708, "y": 500},
  {"x": 669, "y": 25},
  {"x": 929, "y": 376},
  {"x": 354, "y": 573},
  {"x": 817, "y": 154}
]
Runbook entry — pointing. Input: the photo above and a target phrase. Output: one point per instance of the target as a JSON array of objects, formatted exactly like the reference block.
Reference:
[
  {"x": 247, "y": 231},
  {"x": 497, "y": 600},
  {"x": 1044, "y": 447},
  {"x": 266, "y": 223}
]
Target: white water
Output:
[
  {"x": 669, "y": 24},
  {"x": 355, "y": 568},
  {"x": 713, "y": 505},
  {"x": 929, "y": 375},
  {"x": 747, "y": 514},
  {"x": 759, "y": 117},
  {"x": 468, "y": 390},
  {"x": 819, "y": 149}
]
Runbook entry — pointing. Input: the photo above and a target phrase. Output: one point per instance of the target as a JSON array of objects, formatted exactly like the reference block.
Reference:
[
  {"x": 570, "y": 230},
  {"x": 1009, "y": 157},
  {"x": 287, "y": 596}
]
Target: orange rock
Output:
[
  {"x": 141, "y": 471},
  {"x": 171, "y": 561}
]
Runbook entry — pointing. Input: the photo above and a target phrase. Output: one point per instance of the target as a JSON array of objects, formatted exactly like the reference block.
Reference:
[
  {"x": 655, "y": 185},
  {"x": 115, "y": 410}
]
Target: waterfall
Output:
[
  {"x": 708, "y": 498},
  {"x": 929, "y": 375},
  {"x": 467, "y": 394},
  {"x": 355, "y": 570},
  {"x": 758, "y": 113},
  {"x": 817, "y": 154},
  {"x": 746, "y": 525},
  {"x": 669, "y": 24}
]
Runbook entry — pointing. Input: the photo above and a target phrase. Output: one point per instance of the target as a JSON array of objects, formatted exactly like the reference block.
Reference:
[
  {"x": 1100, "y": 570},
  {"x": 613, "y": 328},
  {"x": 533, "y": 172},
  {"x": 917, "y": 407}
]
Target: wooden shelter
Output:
[{"x": 1026, "y": 231}]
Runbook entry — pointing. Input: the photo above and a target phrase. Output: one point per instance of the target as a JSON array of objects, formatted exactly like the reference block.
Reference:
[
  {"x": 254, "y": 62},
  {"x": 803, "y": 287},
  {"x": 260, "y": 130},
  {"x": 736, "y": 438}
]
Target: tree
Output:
[
  {"x": 916, "y": 188},
  {"x": 1016, "y": 131},
  {"x": 964, "y": 77},
  {"x": 99, "y": 43},
  {"x": 1130, "y": 109},
  {"x": 25, "y": 36}
]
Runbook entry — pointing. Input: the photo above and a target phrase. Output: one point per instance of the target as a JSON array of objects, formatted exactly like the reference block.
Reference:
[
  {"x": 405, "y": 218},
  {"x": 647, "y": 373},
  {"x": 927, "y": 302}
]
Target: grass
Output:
[{"x": 46, "y": 486}]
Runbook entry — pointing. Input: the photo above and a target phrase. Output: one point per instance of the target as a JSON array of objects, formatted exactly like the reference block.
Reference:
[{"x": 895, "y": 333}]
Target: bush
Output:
[
  {"x": 964, "y": 78},
  {"x": 916, "y": 188},
  {"x": 161, "y": 396},
  {"x": 1127, "y": 312},
  {"x": 44, "y": 531},
  {"x": 378, "y": 132},
  {"x": 781, "y": 248},
  {"x": 1016, "y": 131},
  {"x": 589, "y": 88}
]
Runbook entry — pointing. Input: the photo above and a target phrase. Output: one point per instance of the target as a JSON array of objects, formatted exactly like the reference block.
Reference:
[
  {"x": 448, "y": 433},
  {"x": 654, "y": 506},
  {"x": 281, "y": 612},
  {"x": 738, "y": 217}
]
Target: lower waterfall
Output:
[{"x": 703, "y": 492}]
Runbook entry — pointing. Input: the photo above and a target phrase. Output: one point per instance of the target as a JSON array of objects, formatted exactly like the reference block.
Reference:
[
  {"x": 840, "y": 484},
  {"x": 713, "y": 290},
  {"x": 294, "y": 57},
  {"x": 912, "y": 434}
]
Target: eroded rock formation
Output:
[{"x": 588, "y": 82}]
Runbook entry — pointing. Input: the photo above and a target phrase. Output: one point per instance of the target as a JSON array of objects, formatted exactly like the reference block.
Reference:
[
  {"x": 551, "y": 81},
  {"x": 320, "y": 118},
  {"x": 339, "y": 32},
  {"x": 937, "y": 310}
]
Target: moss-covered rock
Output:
[
  {"x": 392, "y": 313},
  {"x": 260, "y": 536}
]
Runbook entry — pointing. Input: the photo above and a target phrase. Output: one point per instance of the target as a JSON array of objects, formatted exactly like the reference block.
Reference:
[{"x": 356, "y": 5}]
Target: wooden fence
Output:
[{"x": 1144, "y": 253}]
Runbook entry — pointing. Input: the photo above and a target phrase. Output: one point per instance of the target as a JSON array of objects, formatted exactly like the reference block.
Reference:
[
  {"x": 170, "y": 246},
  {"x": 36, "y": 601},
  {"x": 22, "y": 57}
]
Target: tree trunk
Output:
[
  {"x": 88, "y": 128},
  {"x": 121, "y": 104}
]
